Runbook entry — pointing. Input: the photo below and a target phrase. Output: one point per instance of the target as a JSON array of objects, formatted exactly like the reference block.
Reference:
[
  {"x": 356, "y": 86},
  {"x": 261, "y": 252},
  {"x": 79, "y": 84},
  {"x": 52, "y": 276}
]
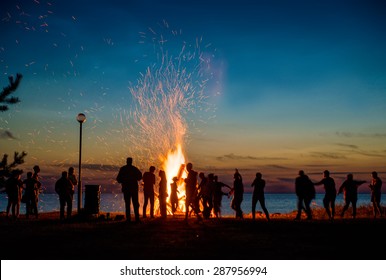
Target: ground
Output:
[{"x": 98, "y": 238}]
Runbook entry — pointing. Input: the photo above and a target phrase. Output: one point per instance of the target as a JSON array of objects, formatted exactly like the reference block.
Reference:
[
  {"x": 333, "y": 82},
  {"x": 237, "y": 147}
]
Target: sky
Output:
[{"x": 291, "y": 85}]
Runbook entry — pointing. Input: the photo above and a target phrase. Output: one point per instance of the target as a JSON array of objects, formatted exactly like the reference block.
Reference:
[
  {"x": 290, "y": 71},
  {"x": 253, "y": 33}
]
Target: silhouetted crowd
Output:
[
  {"x": 27, "y": 191},
  {"x": 203, "y": 194}
]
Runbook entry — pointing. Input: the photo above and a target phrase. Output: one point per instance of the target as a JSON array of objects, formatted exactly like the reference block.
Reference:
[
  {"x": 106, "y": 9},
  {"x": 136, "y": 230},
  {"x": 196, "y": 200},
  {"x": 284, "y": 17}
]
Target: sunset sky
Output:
[{"x": 295, "y": 84}]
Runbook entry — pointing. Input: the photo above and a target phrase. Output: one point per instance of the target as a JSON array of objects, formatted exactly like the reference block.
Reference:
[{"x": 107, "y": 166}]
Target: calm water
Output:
[{"x": 275, "y": 203}]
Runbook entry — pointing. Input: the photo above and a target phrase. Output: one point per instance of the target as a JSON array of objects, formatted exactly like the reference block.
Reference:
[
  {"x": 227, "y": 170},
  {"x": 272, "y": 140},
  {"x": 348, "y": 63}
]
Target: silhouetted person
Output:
[
  {"x": 148, "y": 191},
  {"x": 258, "y": 195},
  {"x": 305, "y": 192},
  {"x": 201, "y": 184},
  {"x": 63, "y": 188},
  {"x": 12, "y": 187},
  {"x": 207, "y": 196},
  {"x": 128, "y": 176},
  {"x": 72, "y": 178},
  {"x": 375, "y": 186},
  {"x": 20, "y": 195},
  {"x": 162, "y": 193},
  {"x": 174, "y": 194},
  {"x": 36, "y": 176},
  {"x": 350, "y": 192},
  {"x": 238, "y": 194},
  {"x": 31, "y": 186},
  {"x": 330, "y": 194},
  {"x": 217, "y": 196},
  {"x": 191, "y": 200}
]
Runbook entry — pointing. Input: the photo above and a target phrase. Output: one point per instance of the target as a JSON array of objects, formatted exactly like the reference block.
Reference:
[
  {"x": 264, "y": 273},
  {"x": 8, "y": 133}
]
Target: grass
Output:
[{"x": 319, "y": 213}]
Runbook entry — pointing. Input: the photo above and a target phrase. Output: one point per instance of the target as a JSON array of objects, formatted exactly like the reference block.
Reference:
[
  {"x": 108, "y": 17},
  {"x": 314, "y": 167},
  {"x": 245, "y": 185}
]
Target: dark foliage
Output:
[{"x": 5, "y": 98}]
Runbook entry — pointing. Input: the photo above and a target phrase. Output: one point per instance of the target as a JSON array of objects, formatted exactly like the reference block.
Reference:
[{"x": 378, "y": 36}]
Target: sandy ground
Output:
[{"x": 97, "y": 238}]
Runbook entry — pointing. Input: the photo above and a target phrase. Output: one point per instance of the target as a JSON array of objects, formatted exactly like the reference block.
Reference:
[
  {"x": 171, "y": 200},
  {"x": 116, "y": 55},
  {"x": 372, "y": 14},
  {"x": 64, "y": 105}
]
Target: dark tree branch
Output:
[
  {"x": 5, "y": 97},
  {"x": 18, "y": 158}
]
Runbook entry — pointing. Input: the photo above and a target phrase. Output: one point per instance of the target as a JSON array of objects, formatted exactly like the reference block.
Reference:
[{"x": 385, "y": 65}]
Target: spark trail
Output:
[{"x": 167, "y": 97}]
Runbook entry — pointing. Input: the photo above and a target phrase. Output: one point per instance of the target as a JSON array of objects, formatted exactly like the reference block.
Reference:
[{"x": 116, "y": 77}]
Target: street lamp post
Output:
[{"x": 81, "y": 118}]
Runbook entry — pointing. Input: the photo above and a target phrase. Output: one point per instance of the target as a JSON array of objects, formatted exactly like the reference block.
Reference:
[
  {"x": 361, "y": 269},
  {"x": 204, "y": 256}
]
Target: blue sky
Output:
[{"x": 297, "y": 84}]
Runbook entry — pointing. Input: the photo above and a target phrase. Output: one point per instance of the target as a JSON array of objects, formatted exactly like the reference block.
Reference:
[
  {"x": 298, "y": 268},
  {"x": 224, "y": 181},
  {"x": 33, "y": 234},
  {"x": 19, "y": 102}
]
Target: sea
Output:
[{"x": 283, "y": 203}]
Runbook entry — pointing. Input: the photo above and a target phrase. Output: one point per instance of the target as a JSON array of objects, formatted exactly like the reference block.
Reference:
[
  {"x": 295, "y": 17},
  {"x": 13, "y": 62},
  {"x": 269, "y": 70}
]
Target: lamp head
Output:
[{"x": 81, "y": 118}]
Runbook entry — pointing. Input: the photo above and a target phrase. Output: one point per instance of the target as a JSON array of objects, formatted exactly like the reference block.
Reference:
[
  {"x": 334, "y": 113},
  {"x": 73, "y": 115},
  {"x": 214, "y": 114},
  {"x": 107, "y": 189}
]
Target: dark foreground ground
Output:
[{"x": 173, "y": 239}]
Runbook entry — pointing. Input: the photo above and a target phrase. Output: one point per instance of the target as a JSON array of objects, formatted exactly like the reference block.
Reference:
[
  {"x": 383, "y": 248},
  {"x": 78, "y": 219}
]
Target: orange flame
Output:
[{"x": 173, "y": 166}]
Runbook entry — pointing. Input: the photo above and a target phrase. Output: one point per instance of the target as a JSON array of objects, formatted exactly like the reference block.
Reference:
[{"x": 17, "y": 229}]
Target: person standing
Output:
[
  {"x": 72, "y": 178},
  {"x": 238, "y": 194},
  {"x": 30, "y": 194},
  {"x": 128, "y": 176},
  {"x": 148, "y": 191},
  {"x": 206, "y": 193},
  {"x": 201, "y": 190},
  {"x": 36, "y": 176},
  {"x": 375, "y": 186},
  {"x": 63, "y": 188},
  {"x": 330, "y": 193},
  {"x": 207, "y": 196},
  {"x": 305, "y": 192},
  {"x": 74, "y": 181},
  {"x": 162, "y": 193},
  {"x": 350, "y": 193},
  {"x": 174, "y": 194},
  {"x": 217, "y": 196},
  {"x": 258, "y": 195},
  {"x": 191, "y": 199},
  {"x": 12, "y": 187}
]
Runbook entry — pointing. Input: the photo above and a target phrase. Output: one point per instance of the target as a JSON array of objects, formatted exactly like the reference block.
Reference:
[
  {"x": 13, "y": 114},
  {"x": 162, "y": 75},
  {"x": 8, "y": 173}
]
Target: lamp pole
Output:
[{"x": 81, "y": 118}]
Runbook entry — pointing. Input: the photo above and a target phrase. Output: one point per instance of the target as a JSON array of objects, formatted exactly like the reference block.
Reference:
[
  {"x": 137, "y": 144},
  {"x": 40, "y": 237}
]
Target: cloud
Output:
[
  {"x": 371, "y": 154},
  {"x": 354, "y": 149},
  {"x": 361, "y": 135},
  {"x": 7, "y": 135},
  {"x": 328, "y": 155},
  {"x": 97, "y": 167},
  {"x": 347, "y": 145},
  {"x": 286, "y": 180},
  {"x": 102, "y": 167},
  {"x": 232, "y": 156},
  {"x": 275, "y": 166}
]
